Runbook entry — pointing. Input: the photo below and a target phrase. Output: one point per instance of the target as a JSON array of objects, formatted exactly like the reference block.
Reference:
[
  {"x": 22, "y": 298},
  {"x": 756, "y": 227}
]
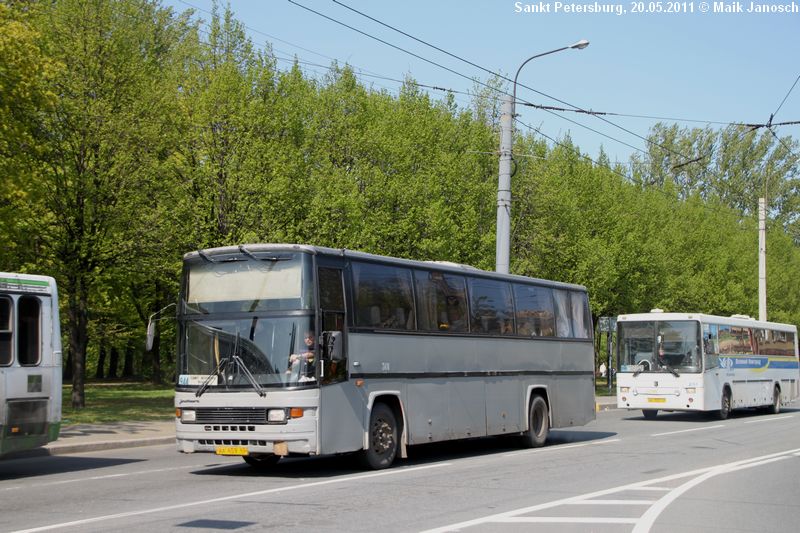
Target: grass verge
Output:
[{"x": 119, "y": 402}]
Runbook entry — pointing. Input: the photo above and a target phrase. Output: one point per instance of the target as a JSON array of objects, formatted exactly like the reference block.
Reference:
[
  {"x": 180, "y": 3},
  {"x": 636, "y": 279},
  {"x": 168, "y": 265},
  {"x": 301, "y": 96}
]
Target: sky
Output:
[{"x": 694, "y": 67}]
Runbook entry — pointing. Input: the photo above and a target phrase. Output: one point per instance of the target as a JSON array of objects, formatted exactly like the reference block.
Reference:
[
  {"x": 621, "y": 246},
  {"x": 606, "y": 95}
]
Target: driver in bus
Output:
[{"x": 301, "y": 365}]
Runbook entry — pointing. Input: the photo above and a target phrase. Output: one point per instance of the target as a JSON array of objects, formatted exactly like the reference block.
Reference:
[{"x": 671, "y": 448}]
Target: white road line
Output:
[
  {"x": 560, "y": 447},
  {"x": 613, "y": 502},
  {"x": 343, "y": 479},
  {"x": 771, "y": 419},
  {"x": 649, "y": 517},
  {"x": 687, "y": 430},
  {"x": 645, "y": 522},
  {"x": 566, "y": 520},
  {"x": 96, "y": 478},
  {"x": 659, "y": 489}
]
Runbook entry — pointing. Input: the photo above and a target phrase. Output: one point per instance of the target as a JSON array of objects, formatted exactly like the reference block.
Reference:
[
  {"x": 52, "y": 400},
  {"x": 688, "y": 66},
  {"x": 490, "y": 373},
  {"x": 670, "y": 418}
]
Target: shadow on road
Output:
[
  {"x": 420, "y": 455},
  {"x": 46, "y": 465}
]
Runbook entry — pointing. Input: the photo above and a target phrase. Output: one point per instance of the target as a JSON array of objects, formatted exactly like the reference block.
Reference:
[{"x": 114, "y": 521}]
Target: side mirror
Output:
[
  {"x": 332, "y": 345},
  {"x": 151, "y": 334}
]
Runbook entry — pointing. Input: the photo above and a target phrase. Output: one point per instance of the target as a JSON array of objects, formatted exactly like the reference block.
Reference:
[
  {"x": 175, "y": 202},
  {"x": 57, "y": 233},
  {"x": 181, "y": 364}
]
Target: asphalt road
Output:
[{"x": 680, "y": 472}]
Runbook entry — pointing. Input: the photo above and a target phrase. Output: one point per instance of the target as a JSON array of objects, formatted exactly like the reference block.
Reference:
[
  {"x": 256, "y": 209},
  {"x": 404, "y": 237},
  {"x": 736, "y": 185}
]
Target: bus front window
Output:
[
  {"x": 274, "y": 351},
  {"x": 666, "y": 346}
]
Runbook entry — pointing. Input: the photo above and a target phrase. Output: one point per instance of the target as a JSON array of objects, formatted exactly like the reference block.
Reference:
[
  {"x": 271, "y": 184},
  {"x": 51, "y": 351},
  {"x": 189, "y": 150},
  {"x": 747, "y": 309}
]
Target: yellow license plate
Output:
[
  {"x": 657, "y": 400},
  {"x": 231, "y": 450}
]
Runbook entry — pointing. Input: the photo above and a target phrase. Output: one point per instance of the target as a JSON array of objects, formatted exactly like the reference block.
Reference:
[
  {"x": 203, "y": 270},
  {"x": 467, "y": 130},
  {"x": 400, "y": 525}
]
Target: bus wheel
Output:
[
  {"x": 725, "y": 405},
  {"x": 538, "y": 423},
  {"x": 261, "y": 461},
  {"x": 775, "y": 408},
  {"x": 650, "y": 414},
  {"x": 383, "y": 438}
]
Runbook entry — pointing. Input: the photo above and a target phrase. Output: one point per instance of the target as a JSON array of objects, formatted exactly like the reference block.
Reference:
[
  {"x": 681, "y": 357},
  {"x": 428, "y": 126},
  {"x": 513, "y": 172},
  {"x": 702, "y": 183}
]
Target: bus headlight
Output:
[
  {"x": 691, "y": 390},
  {"x": 624, "y": 389},
  {"x": 188, "y": 415},
  {"x": 276, "y": 416}
]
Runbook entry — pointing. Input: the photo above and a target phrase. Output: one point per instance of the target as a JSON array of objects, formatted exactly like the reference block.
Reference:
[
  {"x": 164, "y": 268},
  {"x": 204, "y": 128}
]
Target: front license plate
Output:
[
  {"x": 656, "y": 400},
  {"x": 231, "y": 450}
]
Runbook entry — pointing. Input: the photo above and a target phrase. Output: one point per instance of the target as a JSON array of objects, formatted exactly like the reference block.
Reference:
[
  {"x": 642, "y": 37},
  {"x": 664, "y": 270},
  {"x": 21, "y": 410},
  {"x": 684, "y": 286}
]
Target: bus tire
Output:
[
  {"x": 382, "y": 436},
  {"x": 725, "y": 404},
  {"x": 538, "y": 423},
  {"x": 650, "y": 414},
  {"x": 262, "y": 461},
  {"x": 775, "y": 408}
]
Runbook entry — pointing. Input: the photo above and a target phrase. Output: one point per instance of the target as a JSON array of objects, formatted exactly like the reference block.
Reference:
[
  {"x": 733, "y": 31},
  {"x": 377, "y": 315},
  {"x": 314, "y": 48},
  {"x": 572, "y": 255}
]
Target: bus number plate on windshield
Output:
[
  {"x": 231, "y": 450},
  {"x": 656, "y": 400}
]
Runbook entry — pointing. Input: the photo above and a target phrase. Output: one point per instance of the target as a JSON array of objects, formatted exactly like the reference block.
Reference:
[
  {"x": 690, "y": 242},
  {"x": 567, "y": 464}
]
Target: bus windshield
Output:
[
  {"x": 659, "y": 346},
  {"x": 271, "y": 281},
  {"x": 273, "y": 351}
]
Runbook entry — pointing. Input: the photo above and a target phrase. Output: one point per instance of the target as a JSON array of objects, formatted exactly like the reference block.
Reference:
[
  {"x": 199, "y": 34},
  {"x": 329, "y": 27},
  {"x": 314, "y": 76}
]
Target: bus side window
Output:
[
  {"x": 29, "y": 335},
  {"x": 5, "y": 331},
  {"x": 331, "y": 303},
  {"x": 710, "y": 346}
]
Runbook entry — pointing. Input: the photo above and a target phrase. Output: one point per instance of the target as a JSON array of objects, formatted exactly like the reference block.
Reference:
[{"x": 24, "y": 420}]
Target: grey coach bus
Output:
[{"x": 294, "y": 349}]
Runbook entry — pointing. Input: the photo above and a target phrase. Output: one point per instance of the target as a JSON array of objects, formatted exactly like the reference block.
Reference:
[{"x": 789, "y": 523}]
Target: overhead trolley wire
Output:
[{"x": 649, "y": 141}]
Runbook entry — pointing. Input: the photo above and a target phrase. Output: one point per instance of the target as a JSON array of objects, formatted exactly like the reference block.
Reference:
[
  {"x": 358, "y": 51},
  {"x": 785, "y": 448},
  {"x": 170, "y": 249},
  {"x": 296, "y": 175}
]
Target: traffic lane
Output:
[
  {"x": 488, "y": 472},
  {"x": 757, "y": 499}
]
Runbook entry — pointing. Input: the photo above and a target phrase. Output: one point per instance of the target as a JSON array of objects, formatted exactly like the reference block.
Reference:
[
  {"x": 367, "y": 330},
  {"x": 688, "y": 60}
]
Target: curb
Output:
[
  {"x": 57, "y": 448},
  {"x": 66, "y": 448}
]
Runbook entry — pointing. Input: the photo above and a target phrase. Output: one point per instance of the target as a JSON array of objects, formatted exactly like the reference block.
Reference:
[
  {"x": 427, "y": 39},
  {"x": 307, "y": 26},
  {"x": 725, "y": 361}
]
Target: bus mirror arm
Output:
[{"x": 332, "y": 345}]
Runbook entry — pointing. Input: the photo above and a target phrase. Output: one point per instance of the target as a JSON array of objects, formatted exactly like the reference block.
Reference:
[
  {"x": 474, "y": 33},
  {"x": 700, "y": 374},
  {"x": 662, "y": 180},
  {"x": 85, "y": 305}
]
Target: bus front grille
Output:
[{"x": 231, "y": 415}]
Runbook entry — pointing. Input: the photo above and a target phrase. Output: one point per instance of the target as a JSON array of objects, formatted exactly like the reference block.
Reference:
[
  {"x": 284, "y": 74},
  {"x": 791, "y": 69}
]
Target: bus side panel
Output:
[
  {"x": 572, "y": 396},
  {"x": 428, "y": 411},
  {"x": 342, "y": 411},
  {"x": 503, "y": 405},
  {"x": 572, "y": 401},
  {"x": 467, "y": 416},
  {"x": 712, "y": 391}
]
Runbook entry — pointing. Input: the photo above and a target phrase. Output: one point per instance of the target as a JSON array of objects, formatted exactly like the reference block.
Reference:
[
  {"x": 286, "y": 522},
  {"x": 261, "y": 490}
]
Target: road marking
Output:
[
  {"x": 613, "y": 502},
  {"x": 343, "y": 479},
  {"x": 560, "y": 447},
  {"x": 687, "y": 430},
  {"x": 96, "y": 478},
  {"x": 566, "y": 520},
  {"x": 643, "y": 523},
  {"x": 649, "y": 517},
  {"x": 771, "y": 419}
]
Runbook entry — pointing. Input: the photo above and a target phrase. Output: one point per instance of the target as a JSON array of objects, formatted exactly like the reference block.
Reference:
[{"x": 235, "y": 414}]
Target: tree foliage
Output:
[{"x": 132, "y": 134}]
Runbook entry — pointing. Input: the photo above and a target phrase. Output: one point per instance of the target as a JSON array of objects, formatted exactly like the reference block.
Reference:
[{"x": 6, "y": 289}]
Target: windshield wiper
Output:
[
  {"x": 214, "y": 373},
  {"x": 671, "y": 370},
  {"x": 272, "y": 258},
  {"x": 223, "y": 364}
]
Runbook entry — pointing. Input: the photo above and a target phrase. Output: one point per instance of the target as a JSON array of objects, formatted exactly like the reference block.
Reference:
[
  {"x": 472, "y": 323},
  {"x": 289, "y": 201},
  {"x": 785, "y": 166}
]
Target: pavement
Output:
[{"x": 82, "y": 438}]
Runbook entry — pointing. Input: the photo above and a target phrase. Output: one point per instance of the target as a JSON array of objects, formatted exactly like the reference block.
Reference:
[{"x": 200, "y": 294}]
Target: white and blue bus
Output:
[
  {"x": 303, "y": 350},
  {"x": 697, "y": 362},
  {"x": 30, "y": 362}
]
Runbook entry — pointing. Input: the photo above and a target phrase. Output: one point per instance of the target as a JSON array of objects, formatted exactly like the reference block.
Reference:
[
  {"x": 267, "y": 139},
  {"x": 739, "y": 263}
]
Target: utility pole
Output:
[
  {"x": 762, "y": 258},
  {"x": 504, "y": 187}
]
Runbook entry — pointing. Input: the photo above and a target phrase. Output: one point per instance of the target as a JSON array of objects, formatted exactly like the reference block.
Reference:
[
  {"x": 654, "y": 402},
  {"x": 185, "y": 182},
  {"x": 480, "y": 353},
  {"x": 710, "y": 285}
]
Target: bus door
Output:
[{"x": 341, "y": 412}]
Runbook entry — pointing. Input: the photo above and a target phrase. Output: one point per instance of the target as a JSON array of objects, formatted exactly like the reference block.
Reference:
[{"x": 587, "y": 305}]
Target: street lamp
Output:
[{"x": 504, "y": 184}]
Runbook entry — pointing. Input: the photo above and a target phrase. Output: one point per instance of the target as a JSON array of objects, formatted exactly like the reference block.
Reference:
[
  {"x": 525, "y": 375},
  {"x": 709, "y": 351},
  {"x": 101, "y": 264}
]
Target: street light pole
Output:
[{"x": 504, "y": 182}]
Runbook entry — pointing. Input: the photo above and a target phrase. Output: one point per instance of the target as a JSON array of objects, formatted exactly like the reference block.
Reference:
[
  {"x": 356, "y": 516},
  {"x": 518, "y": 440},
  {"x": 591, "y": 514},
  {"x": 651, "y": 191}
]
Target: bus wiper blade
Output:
[
  {"x": 207, "y": 382},
  {"x": 240, "y": 364},
  {"x": 671, "y": 370},
  {"x": 251, "y": 255}
]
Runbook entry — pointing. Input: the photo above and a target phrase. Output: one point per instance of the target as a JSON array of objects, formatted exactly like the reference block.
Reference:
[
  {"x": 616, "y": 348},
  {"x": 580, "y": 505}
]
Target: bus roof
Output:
[
  {"x": 444, "y": 266},
  {"x": 26, "y": 283},
  {"x": 735, "y": 320}
]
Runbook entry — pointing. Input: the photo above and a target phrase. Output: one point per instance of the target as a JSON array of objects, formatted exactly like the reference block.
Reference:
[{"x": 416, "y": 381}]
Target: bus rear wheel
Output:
[
  {"x": 775, "y": 408},
  {"x": 650, "y": 414},
  {"x": 725, "y": 405},
  {"x": 261, "y": 461},
  {"x": 383, "y": 437},
  {"x": 538, "y": 424}
]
